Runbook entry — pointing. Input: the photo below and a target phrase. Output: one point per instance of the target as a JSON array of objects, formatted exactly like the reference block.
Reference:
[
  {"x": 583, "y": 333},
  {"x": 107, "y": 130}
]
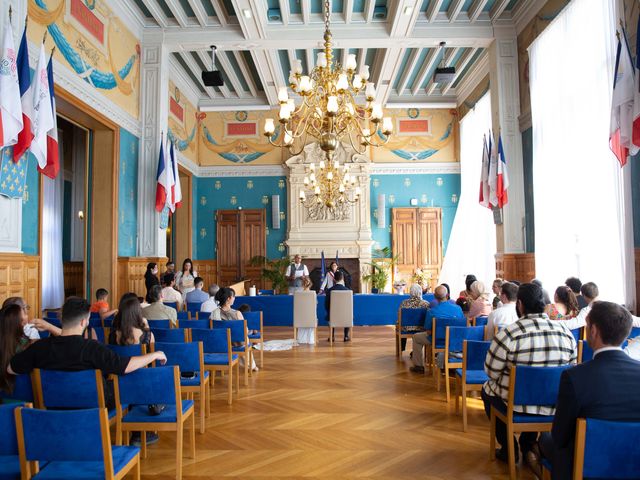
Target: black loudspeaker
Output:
[{"x": 212, "y": 78}]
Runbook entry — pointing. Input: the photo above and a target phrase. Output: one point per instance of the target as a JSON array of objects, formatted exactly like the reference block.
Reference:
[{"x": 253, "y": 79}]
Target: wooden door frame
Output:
[
  {"x": 188, "y": 208},
  {"x": 106, "y": 133}
]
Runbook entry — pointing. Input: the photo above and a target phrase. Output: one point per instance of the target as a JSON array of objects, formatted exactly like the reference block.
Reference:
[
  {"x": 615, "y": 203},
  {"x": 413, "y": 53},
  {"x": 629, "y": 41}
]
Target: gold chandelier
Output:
[{"x": 328, "y": 113}]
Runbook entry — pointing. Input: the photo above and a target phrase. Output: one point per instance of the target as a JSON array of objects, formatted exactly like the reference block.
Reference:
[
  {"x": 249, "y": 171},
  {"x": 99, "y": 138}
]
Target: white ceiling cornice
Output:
[
  {"x": 474, "y": 76},
  {"x": 126, "y": 13},
  {"x": 525, "y": 11}
]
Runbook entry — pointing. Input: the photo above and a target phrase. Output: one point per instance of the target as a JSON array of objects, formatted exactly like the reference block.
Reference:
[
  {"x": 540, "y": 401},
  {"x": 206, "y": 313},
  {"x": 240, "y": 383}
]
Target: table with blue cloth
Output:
[{"x": 368, "y": 309}]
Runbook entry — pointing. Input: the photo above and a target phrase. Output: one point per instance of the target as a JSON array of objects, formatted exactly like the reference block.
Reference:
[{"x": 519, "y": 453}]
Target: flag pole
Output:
[
  {"x": 44, "y": 37},
  {"x": 10, "y": 13}
]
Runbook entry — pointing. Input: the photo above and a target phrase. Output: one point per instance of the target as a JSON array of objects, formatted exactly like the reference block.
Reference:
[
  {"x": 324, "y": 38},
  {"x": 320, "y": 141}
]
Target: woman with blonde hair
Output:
[{"x": 480, "y": 305}]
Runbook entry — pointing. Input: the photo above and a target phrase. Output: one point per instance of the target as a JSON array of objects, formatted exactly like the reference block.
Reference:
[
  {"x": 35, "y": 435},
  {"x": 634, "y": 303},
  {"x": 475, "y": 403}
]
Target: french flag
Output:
[
  {"x": 10, "y": 107},
  {"x": 52, "y": 167},
  {"x": 25, "y": 137},
  {"x": 163, "y": 187},
  {"x": 620, "y": 127},
  {"x": 176, "y": 190},
  {"x": 635, "y": 129},
  {"x": 503, "y": 176},
  {"x": 43, "y": 120},
  {"x": 484, "y": 175}
]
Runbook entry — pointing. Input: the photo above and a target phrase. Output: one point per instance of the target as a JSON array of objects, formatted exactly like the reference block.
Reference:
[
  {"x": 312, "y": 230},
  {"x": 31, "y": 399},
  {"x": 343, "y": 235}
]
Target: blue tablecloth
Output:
[{"x": 368, "y": 309}]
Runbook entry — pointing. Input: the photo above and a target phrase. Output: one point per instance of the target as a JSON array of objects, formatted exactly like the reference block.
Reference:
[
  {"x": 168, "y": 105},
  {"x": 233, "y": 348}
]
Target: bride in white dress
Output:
[{"x": 305, "y": 334}]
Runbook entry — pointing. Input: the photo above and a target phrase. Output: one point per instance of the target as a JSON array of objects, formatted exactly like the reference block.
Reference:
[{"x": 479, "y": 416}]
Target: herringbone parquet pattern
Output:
[{"x": 351, "y": 411}]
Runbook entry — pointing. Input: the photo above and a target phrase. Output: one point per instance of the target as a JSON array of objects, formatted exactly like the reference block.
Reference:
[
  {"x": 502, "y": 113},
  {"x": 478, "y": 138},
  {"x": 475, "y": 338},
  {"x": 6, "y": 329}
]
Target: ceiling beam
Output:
[
  {"x": 497, "y": 9},
  {"x": 253, "y": 28},
  {"x": 231, "y": 74},
  {"x": 233, "y": 104},
  {"x": 369, "y": 8},
  {"x": 448, "y": 60},
  {"x": 348, "y": 11},
  {"x": 182, "y": 80},
  {"x": 220, "y": 14},
  {"x": 178, "y": 12},
  {"x": 262, "y": 61},
  {"x": 411, "y": 65},
  {"x": 197, "y": 72},
  {"x": 428, "y": 64},
  {"x": 462, "y": 64},
  {"x": 388, "y": 71},
  {"x": 224, "y": 90},
  {"x": 401, "y": 23},
  {"x": 305, "y": 7},
  {"x": 198, "y": 9},
  {"x": 476, "y": 9},
  {"x": 434, "y": 8},
  {"x": 156, "y": 12},
  {"x": 454, "y": 9},
  {"x": 476, "y": 74},
  {"x": 246, "y": 72},
  {"x": 284, "y": 12},
  {"x": 362, "y": 56},
  {"x": 309, "y": 54}
]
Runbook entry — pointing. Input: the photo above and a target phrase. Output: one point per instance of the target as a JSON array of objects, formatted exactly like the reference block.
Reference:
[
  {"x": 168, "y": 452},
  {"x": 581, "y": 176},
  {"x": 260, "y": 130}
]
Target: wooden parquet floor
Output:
[{"x": 347, "y": 411}]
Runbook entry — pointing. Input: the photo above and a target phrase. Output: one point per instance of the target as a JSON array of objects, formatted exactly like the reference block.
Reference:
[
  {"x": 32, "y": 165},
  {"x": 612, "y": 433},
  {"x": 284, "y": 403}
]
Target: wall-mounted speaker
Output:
[
  {"x": 275, "y": 212},
  {"x": 382, "y": 211}
]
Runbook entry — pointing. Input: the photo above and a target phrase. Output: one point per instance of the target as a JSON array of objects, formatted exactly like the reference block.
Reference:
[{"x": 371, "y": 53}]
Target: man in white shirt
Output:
[
  {"x": 210, "y": 305},
  {"x": 506, "y": 314},
  {"x": 169, "y": 293},
  {"x": 296, "y": 272}
]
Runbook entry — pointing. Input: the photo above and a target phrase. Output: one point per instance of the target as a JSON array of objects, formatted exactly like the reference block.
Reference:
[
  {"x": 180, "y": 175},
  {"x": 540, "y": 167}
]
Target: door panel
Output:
[{"x": 228, "y": 254}]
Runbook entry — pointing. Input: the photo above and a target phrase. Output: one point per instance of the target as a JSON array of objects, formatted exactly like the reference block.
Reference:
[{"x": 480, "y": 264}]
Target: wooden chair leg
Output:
[
  {"x": 512, "y": 453},
  {"x": 136, "y": 473},
  {"x": 458, "y": 393},
  {"x": 237, "y": 379},
  {"x": 247, "y": 359},
  {"x": 436, "y": 369},
  {"x": 398, "y": 351},
  {"x": 230, "y": 386},
  {"x": 118, "y": 433},
  {"x": 447, "y": 383},
  {"x": 193, "y": 435},
  {"x": 203, "y": 400},
  {"x": 464, "y": 408},
  {"x": 331, "y": 336},
  {"x": 179, "y": 445},
  {"x": 143, "y": 444},
  {"x": 261, "y": 351},
  {"x": 492, "y": 435}
]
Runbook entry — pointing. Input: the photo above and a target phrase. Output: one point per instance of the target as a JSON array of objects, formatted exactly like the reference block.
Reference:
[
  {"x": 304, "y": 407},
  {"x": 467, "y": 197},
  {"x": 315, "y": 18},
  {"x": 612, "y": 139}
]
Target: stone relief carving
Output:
[{"x": 320, "y": 212}]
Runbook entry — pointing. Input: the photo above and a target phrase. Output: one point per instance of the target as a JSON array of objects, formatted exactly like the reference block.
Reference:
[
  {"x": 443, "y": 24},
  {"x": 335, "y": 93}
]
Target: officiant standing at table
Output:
[{"x": 295, "y": 274}]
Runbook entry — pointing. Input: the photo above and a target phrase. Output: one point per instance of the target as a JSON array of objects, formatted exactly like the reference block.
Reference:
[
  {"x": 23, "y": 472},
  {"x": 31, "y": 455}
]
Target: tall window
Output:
[
  {"x": 472, "y": 244},
  {"x": 583, "y": 222}
]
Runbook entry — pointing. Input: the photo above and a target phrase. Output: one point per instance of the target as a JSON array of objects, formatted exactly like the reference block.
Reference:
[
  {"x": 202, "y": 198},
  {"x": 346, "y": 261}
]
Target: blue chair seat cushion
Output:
[
  {"x": 193, "y": 382},
  {"x": 525, "y": 418},
  {"x": 218, "y": 358},
  {"x": 474, "y": 377},
  {"x": 9, "y": 466},
  {"x": 238, "y": 348},
  {"x": 254, "y": 336},
  {"x": 87, "y": 470},
  {"x": 140, "y": 413}
]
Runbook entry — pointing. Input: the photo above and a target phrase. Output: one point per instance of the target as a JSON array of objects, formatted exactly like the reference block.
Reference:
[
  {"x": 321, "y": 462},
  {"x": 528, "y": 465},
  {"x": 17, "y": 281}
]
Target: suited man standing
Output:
[
  {"x": 338, "y": 285},
  {"x": 604, "y": 388}
]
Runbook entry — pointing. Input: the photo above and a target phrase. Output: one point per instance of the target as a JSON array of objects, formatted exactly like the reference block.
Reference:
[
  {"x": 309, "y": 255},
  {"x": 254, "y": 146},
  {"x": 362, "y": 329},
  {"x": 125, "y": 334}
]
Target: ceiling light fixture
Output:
[
  {"x": 328, "y": 113},
  {"x": 247, "y": 13}
]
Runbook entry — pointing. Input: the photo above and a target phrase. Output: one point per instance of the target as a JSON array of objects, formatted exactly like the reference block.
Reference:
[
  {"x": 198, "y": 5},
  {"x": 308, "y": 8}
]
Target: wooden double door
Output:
[
  {"x": 417, "y": 240},
  {"x": 241, "y": 235}
]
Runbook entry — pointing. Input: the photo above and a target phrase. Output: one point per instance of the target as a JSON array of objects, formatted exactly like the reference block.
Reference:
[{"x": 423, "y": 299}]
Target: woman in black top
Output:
[
  {"x": 129, "y": 327},
  {"x": 151, "y": 276}
]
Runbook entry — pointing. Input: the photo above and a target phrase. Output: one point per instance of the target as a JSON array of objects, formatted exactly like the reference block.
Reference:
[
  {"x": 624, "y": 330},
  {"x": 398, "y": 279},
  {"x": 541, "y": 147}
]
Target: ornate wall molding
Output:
[
  {"x": 414, "y": 168},
  {"x": 242, "y": 171}
]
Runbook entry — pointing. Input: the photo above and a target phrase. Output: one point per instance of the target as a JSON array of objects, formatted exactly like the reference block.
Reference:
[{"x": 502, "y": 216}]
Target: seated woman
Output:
[
  {"x": 564, "y": 306},
  {"x": 129, "y": 327},
  {"x": 414, "y": 301},
  {"x": 464, "y": 297},
  {"x": 480, "y": 305},
  {"x": 307, "y": 334},
  {"x": 33, "y": 326},
  {"x": 12, "y": 340}
]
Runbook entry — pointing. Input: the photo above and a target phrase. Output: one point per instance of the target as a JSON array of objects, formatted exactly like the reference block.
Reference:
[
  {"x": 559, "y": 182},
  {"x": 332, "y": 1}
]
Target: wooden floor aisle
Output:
[{"x": 351, "y": 411}]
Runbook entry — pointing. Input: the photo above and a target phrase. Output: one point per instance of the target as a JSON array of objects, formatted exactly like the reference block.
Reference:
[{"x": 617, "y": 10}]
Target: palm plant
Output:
[
  {"x": 381, "y": 266},
  {"x": 273, "y": 270}
]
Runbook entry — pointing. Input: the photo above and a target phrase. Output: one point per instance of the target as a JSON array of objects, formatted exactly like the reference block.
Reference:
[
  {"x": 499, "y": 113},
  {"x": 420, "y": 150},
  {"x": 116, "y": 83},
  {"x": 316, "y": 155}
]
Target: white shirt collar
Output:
[{"x": 605, "y": 349}]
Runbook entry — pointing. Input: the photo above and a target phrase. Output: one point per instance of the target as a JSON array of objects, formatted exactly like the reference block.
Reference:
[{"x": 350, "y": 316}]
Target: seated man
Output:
[
  {"x": 158, "y": 310},
  {"x": 532, "y": 340},
  {"x": 210, "y": 304},
  {"x": 169, "y": 292},
  {"x": 443, "y": 309},
  {"x": 605, "y": 388},
  {"x": 338, "y": 285},
  {"x": 506, "y": 314},
  {"x": 197, "y": 295},
  {"x": 101, "y": 305},
  {"x": 71, "y": 352}
]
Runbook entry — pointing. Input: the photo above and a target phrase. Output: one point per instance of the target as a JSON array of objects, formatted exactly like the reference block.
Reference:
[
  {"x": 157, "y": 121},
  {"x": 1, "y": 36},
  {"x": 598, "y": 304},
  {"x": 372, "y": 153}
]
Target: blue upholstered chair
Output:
[
  {"x": 605, "y": 449},
  {"x": 471, "y": 376},
  {"x": 527, "y": 386},
  {"x": 182, "y": 316},
  {"x": 171, "y": 335},
  {"x": 577, "y": 333},
  {"x": 189, "y": 357},
  {"x": 200, "y": 323},
  {"x": 164, "y": 323},
  {"x": 9, "y": 457},
  {"x": 193, "y": 308},
  {"x": 635, "y": 331},
  {"x": 55, "y": 321},
  {"x": 52, "y": 314},
  {"x": 219, "y": 356},
  {"x": 438, "y": 331},
  {"x": 107, "y": 322},
  {"x": 254, "y": 322},
  {"x": 129, "y": 350},
  {"x": 585, "y": 352},
  {"x": 22, "y": 390},
  {"x": 154, "y": 386},
  {"x": 453, "y": 343},
  {"x": 102, "y": 334},
  {"x": 239, "y": 341},
  {"x": 479, "y": 321},
  {"x": 173, "y": 305},
  {"x": 95, "y": 322},
  {"x": 73, "y": 443},
  {"x": 408, "y": 317}
]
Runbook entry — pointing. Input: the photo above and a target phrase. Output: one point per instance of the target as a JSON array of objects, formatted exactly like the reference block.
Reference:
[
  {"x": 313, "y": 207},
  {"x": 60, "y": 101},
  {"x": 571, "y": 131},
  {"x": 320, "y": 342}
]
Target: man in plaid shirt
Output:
[{"x": 533, "y": 340}]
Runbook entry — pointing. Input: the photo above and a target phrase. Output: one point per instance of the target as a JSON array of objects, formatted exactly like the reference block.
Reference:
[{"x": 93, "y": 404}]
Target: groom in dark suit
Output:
[
  {"x": 606, "y": 388},
  {"x": 338, "y": 278}
]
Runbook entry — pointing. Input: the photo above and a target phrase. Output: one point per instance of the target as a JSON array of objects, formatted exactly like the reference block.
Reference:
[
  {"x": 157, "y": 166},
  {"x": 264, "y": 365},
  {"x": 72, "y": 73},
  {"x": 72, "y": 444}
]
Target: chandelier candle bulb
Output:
[
  {"x": 321, "y": 60},
  {"x": 343, "y": 83},
  {"x": 370, "y": 91},
  {"x": 297, "y": 66},
  {"x": 321, "y": 164},
  {"x": 358, "y": 191},
  {"x": 269, "y": 127},
  {"x": 285, "y": 113},
  {"x": 364, "y": 72},
  {"x": 341, "y": 188},
  {"x": 332, "y": 104},
  {"x": 357, "y": 82},
  {"x": 302, "y": 195},
  {"x": 376, "y": 112},
  {"x": 305, "y": 84},
  {"x": 329, "y": 175},
  {"x": 336, "y": 164},
  {"x": 306, "y": 181},
  {"x": 387, "y": 125},
  {"x": 351, "y": 62},
  {"x": 312, "y": 167},
  {"x": 288, "y": 139},
  {"x": 283, "y": 96},
  {"x": 316, "y": 191}
]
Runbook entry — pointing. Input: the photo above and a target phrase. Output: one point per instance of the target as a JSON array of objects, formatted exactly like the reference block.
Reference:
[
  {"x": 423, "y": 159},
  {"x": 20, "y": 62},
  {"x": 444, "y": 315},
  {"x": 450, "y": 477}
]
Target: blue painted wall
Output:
[
  {"x": 211, "y": 194},
  {"x": 128, "y": 194},
  {"x": 432, "y": 190},
  {"x": 31, "y": 210}
]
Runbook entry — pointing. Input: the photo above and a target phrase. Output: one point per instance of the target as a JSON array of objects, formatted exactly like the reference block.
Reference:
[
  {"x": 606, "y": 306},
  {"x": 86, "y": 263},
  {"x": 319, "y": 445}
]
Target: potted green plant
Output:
[
  {"x": 381, "y": 266},
  {"x": 273, "y": 270}
]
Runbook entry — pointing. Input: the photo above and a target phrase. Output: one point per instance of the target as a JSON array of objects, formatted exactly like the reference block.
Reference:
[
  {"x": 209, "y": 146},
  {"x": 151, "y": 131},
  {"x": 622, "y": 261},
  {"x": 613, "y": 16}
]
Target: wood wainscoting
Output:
[
  {"x": 74, "y": 279},
  {"x": 131, "y": 272},
  {"x": 516, "y": 266},
  {"x": 207, "y": 270},
  {"x": 20, "y": 277}
]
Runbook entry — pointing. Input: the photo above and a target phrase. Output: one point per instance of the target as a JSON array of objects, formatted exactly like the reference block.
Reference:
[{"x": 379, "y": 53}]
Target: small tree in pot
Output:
[
  {"x": 381, "y": 266},
  {"x": 273, "y": 271}
]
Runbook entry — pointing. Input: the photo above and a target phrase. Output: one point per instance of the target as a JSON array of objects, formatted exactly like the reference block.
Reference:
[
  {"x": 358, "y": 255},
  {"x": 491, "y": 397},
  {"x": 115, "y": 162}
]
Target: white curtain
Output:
[
  {"x": 472, "y": 243},
  {"x": 52, "y": 270},
  {"x": 583, "y": 219}
]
